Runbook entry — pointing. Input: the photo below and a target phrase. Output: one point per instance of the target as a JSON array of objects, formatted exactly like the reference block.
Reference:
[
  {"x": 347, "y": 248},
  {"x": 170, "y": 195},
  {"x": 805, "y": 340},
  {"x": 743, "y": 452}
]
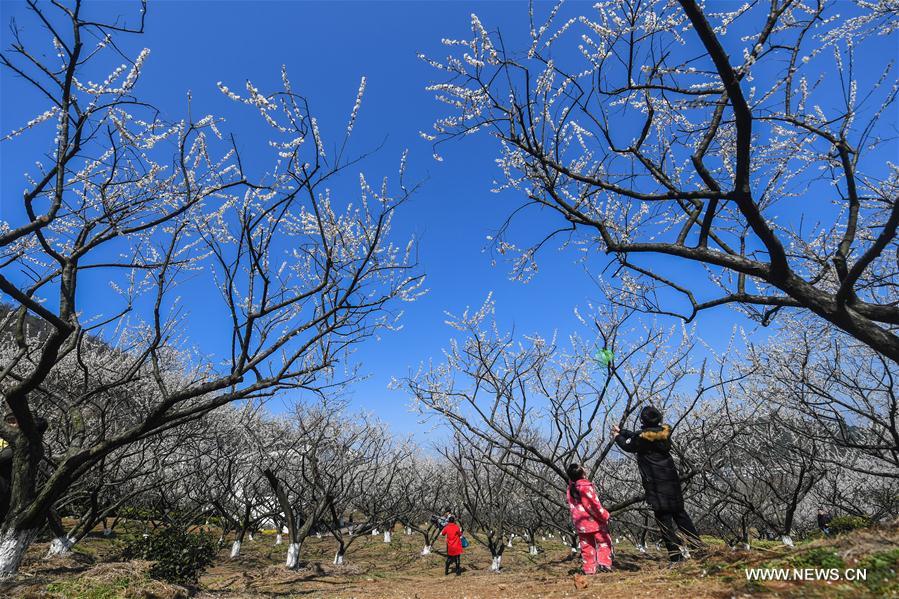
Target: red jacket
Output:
[
  {"x": 453, "y": 535},
  {"x": 588, "y": 515}
]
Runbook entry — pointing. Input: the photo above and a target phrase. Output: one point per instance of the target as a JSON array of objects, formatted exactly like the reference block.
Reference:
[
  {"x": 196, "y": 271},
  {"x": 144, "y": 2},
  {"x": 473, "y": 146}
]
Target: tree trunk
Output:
[
  {"x": 495, "y": 564},
  {"x": 293, "y": 556},
  {"x": 13, "y": 545},
  {"x": 338, "y": 557},
  {"x": 62, "y": 542},
  {"x": 60, "y": 546}
]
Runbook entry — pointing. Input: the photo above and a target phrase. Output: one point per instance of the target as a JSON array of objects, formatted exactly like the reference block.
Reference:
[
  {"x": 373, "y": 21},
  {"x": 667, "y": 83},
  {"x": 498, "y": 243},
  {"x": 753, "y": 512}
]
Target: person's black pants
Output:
[
  {"x": 667, "y": 522},
  {"x": 453, "y": 559}
]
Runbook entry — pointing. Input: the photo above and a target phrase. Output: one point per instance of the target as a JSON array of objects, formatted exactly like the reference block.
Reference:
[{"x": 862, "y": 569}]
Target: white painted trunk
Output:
[
  {"x": 641, "y": 548},
  {"x": 60, "y": 546},
  {"x": 746, "y": 547},
  {"x": 13, "y": 545},
  {"x": 318, "y": 535},
  {"x": 279, "y": 539},
  {"x": 787, "y": 540},
  {"x": 408, "y": 531},
  {"x": 532, "y": 550},
  {"x": 293, "y": 555},
  {"x": 509, "y": 544},
  {"x": 235, "y": 549},
  {"x": 426, "y": 550},
  {"x": 107, "y": 532},
  {"x": 284, "y": 530},
  {"x": 374, "y": 532},
  {"x": 338, "y": 559},
  {"x": 574, "y": 550},
  {"x": 495, "y": 563},
  {"x": 251, "y": 538},
  {"x": 387, "y": 536}
]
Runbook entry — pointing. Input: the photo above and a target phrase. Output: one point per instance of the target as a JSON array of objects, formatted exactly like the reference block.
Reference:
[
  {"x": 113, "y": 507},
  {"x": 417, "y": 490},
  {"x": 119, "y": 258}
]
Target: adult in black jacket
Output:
[{"x": 652, "y": 444}]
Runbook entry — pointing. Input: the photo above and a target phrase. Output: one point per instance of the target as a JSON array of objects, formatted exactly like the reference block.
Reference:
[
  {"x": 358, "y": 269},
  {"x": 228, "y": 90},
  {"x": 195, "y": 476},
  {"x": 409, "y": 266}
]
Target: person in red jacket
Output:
[
  {"x": 591, "y": 521},
  {"x": 453, "y": 534}
]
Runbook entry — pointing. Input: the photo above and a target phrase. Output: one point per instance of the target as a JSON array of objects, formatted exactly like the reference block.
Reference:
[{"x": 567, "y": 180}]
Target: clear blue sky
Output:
[{"x": 327, "y": 47}]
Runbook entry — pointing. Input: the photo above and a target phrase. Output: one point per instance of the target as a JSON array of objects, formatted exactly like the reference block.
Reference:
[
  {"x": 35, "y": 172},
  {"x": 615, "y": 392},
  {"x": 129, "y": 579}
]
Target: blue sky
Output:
[{"x": 327, "y": 47}]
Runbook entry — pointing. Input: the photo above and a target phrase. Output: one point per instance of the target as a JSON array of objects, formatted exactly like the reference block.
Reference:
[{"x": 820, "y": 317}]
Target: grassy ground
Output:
[{"x": 374, "y": 569}]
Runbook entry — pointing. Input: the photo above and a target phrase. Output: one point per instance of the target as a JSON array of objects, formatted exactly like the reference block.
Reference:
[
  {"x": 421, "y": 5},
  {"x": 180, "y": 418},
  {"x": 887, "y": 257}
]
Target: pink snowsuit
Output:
[{"x": 591, "y": 522}]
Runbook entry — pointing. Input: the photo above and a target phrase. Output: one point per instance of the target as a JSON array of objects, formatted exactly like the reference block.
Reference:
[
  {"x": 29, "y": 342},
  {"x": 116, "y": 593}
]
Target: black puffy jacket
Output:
[{"x": 660, "y": 479}]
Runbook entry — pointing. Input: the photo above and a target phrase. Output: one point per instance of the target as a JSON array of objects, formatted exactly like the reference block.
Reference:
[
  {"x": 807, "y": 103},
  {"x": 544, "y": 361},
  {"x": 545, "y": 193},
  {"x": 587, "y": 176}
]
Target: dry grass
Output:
[{"x": 374, "y": 569}]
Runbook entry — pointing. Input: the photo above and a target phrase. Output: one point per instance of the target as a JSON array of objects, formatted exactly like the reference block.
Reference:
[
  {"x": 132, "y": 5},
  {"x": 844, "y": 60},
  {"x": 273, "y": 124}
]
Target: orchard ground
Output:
[{"x": 376, "y": 569}]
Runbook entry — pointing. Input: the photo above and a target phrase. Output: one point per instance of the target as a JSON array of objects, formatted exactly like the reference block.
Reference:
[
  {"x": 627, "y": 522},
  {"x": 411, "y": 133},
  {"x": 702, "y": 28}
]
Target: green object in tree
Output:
[{"x": 605, "y": 356}]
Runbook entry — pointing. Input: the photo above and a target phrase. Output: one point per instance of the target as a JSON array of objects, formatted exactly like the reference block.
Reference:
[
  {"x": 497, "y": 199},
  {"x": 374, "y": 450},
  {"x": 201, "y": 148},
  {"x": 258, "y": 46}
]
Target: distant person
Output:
[
  {"x": 824, "y": 519},
  {"x": 652, "y": 444},
  {"x": 591, "y": 521},
  {"x": 453, "y": 534}
]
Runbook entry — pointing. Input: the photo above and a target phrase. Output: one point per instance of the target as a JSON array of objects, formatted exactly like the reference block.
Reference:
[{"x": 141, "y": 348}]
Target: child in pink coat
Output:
[{"x": 591, "y": 521}]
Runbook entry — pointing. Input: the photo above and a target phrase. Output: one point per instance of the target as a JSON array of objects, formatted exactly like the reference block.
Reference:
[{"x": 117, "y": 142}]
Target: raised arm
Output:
[{"x": 628, "y": 441}]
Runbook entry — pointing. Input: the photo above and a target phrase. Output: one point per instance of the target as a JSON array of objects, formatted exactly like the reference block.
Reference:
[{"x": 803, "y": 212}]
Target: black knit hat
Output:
[{"x": 650, "y": 416}]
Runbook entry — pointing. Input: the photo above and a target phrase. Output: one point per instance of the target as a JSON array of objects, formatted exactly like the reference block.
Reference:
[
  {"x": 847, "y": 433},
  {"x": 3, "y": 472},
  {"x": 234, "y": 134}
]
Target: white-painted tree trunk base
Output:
[
  {"x": 787, "y": 540},
  {"x": 496, "y": 563},
  {"x": 293, "y": 555},
  {"x": 509, "y": 544},
  {"x": 532, "y": 550},
  {"x": 13, "y": 545},
  {"x": 318, "y": 535},
  {"x": 338, "y": 559},
  {"x": 374, "y": 532},
  {"x": 408, "y": 531},
  {"x": 251, "y": 538},
  {"x": 60, "y": 546},
  {"x": 426, "y": 550},
  {"x": 387, "y": 536},
  {"x": 574, "y": 550},
  {"x": 746, "y": 547},
  {"x": 284, "y": 530},
  {"x": 279, "y": 539},
  {"x": 235, "y": 549},
  {"x": 641, "y": 548},
  {"x": 107, "y": 532}
]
